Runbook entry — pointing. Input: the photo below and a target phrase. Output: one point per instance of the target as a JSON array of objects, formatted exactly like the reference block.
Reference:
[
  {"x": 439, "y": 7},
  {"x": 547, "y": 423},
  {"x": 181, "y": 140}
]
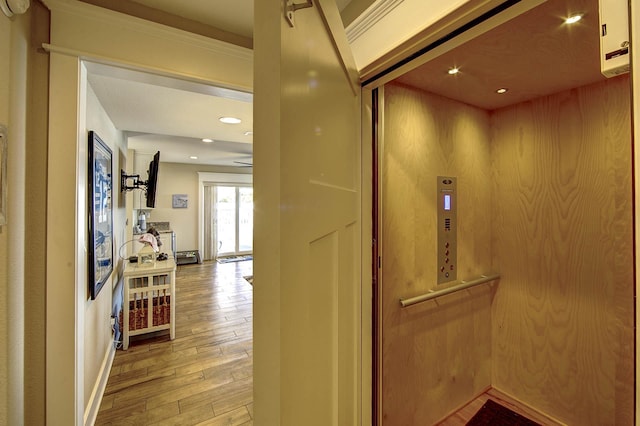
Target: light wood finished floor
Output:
[
  {"x": 202, "y": 377},
  {"x": 462, "y": 416}
]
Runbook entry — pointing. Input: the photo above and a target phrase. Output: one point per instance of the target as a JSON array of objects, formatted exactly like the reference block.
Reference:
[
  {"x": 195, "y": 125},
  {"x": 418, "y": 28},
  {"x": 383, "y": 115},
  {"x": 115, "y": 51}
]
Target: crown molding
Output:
[{"x": 370, "y": 17}]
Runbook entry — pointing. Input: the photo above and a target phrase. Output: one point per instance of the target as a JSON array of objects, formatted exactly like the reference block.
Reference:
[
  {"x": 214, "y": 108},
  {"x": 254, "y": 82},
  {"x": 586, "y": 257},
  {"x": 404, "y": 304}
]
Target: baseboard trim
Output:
[
  {"x": 455, "y": 410},
  {"x": 93, "y": 406}
]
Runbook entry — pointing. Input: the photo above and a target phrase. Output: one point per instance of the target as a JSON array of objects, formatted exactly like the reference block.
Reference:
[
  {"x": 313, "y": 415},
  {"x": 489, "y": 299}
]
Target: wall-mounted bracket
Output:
[
  {"x": 137, "y": 183},
  {"x": 290, "y": 7}
]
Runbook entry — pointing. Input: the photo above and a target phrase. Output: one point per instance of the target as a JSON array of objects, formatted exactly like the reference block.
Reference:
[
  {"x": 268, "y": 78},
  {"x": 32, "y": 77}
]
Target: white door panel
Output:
[{"x": 307, "y": 226}]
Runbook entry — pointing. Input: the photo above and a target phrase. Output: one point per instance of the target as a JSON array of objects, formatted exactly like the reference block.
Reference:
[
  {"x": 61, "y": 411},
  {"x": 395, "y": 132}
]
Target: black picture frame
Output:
[{"x": 100, "y": 198}]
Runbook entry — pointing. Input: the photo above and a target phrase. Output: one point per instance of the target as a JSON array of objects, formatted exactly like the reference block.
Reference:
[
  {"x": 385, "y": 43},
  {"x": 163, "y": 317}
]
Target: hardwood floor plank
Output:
[
  {"x": 139, "y": 352},
  {"x": 230, "y": 400},
  {"x": 116, "y": 415},
  {"x": 243, "y": 343},
  {"x": 148, "y": 416},
  {"x": 218, "y": 326},
  {"x": 192, "y": 417},
  {"x": 164, "y": 359},
  {"x": 237, "y": 417},
  {"x": 243, "y": 372},
  {"x": 217, "y": 394},
  {"x": 107, "y": 402},
  {"x": 194, "y": 340},
  {"x": 150, "y": 390},
  {"x": 126, "y": 375},
  {"x": 232, "y": 369},
  {"x": 206, "y": 370},
  {"x": 176, "y": 395},
  {"x": 205, "y": 363},
  {"x": 141, "y": 377}
]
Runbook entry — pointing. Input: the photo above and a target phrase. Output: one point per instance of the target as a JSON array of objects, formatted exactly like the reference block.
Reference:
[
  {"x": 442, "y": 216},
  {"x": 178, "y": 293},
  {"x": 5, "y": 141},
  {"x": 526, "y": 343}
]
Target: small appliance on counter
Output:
[{"x": 142, "y": 222}]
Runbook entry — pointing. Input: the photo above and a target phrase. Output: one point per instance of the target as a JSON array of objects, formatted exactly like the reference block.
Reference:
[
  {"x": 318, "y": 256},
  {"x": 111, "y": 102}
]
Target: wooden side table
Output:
[{"x": 149, "y": 299}]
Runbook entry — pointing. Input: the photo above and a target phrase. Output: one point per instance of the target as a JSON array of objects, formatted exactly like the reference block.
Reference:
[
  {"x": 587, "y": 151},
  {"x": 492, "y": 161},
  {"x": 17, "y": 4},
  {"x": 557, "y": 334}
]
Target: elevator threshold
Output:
[{"x": 464, "y": 414}]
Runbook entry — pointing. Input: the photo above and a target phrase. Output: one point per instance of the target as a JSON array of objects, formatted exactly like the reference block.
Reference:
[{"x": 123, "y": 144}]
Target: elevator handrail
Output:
[{"x": 437, "y": 293}]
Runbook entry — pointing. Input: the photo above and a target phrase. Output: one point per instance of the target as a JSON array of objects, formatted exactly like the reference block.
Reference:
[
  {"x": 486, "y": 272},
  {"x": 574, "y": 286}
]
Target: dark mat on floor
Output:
[{"x": 494, "y": 414}]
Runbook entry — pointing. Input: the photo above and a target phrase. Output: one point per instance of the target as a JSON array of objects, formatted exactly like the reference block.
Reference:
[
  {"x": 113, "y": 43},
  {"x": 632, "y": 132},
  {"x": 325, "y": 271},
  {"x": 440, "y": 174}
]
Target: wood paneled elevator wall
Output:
[{"x": 544, "y": 199}]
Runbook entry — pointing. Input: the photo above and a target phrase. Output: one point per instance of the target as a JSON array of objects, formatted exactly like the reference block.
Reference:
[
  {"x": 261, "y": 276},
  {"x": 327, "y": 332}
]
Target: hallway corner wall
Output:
[
  {"x": 563, "y": 240},
  {"x": 97, "y": 336},
  {"x": 436, "y": 355}
]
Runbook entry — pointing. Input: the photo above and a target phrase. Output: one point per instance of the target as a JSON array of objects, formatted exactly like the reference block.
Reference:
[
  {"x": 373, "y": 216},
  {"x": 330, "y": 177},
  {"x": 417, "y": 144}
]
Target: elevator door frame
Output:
[{"x": 451, "y": 32}]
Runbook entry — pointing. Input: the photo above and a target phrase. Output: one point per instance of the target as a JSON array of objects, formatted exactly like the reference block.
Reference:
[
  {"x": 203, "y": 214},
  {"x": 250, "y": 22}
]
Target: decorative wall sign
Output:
[
  {"x": 101, "y": 209},
  {"x": 180, "y": 201}
]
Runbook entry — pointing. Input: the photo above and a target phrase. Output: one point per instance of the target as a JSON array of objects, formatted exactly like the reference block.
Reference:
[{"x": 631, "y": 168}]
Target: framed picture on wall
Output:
[
  {"x": 180, "y": 201},
  {"x": 100, "y": 197}
]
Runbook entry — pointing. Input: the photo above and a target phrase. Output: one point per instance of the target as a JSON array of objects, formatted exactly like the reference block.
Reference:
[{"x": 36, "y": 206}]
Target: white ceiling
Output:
[{"x": 172, "y": 116}]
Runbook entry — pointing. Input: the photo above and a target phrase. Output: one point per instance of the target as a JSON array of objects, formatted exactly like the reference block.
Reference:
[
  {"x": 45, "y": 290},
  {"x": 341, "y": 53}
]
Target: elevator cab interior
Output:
[{"x": 538, "y": 144}]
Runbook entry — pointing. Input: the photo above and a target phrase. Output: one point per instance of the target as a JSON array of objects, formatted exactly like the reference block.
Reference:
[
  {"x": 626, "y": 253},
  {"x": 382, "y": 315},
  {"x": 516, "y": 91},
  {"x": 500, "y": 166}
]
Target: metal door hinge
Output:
[{"x": 290, "y": 7}]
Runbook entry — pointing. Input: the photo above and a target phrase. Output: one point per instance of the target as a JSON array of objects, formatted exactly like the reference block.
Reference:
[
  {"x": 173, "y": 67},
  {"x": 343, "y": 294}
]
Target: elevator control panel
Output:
[{"x": 447, "y": 229}]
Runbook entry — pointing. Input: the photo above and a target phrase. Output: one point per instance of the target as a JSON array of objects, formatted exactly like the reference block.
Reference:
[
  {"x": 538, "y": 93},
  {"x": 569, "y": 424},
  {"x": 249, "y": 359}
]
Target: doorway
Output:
[
  {"x": 225, "y": 214},
  {"x": 73, "y": 388},
  {"x": 529, "y": 161},
  {"x": 231, "y": 232}
]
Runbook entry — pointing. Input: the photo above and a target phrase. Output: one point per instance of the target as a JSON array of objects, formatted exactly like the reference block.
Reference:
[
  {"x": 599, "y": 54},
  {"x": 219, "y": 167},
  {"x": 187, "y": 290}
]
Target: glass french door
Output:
[{"x": 233, "y": 220}]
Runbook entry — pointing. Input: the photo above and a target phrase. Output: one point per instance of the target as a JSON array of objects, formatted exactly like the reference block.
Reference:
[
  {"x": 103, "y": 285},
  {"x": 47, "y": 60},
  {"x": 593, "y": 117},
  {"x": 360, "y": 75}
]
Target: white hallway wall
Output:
[{"x": 97, "y": 330}]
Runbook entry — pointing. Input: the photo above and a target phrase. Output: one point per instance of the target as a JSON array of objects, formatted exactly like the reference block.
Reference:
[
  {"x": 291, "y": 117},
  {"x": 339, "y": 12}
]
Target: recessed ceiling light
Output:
[
  {"x": 193, "y": 157},
  {"x": 248, "y": 133},
  {"x": 454, "y": 70},
  {"x": 230, "y": 120},
  {"x": 573, "y": 19},
  {"x": 502, "y": 90},
  {"x": 207, "y": 140}
]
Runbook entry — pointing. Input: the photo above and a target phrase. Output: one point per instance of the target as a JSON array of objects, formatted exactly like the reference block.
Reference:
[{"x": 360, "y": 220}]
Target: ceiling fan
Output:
[{"x": 244, "y": 163}]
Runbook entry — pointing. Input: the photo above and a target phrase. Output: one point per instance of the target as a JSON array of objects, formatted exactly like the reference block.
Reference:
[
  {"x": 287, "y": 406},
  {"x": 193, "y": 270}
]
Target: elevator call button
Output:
[{"x": 447, "y": 228}]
